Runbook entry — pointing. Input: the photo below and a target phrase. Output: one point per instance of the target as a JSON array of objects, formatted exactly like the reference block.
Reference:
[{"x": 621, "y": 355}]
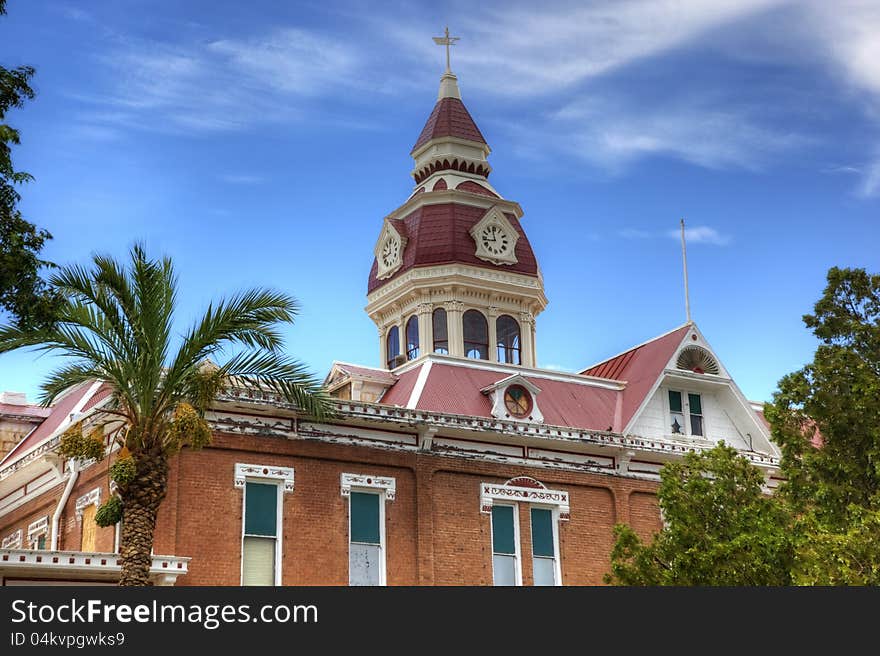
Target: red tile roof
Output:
[
  {"x": 455, "y": 389},
  {"x": 59, "y": 413},
  {"x": 380, "y": 375},
  {"x": 36, "y": 412},
  {"x": 439, "y": 234},
  {"x": 476, "y": 188},
  {"x": 450, "y": 118},
  {"x": 640, "y": 367}
]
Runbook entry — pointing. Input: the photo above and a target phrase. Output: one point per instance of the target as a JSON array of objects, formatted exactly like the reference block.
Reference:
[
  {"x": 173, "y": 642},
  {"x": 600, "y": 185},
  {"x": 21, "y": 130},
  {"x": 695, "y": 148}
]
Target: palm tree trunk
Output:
[{"x": 140, "y": 504}]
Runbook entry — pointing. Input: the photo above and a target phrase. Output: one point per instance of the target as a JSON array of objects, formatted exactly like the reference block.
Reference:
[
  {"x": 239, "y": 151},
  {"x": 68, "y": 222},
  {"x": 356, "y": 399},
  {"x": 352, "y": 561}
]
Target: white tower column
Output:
[
  {"x": 527, "y": 337},
  {"x": 426, "y": 328},
  {"x": 455, "y": 330},
  {"x": 492, "y": 318}
]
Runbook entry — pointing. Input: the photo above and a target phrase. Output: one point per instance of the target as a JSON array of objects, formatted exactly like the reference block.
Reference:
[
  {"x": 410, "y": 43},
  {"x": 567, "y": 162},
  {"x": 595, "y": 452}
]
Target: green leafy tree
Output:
[
  {"x": 719, "y": 528},
  {"x": 826, "y": 420},
  {"x": 23, "y": 293},
  {"x": 115, "y": 324}
]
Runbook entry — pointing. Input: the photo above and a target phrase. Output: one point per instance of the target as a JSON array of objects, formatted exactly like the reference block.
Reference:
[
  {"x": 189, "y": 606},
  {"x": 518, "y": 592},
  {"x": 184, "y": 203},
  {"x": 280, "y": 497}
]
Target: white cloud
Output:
[
  {"x": 870, "y": 185},
  {"x": 222, "y": 85},
  {"x": 612, "y": 133},
  {"x": 701, "y": 235},
  {"x": 526, "y": 49},
  {"x": 693, "y": 235},
  {"x": 846, "y": 35}
]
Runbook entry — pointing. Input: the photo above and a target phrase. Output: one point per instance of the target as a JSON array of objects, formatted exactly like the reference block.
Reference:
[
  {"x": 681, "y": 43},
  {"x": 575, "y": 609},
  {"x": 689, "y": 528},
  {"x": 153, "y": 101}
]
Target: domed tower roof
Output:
[
  {"x": 454, "y": 272},
  {"x": 452, "y": 195}
]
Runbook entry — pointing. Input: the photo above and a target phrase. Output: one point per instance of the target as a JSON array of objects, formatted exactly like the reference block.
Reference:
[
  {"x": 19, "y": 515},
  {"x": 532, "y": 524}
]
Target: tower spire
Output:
[{"x": 448, "y": 81}]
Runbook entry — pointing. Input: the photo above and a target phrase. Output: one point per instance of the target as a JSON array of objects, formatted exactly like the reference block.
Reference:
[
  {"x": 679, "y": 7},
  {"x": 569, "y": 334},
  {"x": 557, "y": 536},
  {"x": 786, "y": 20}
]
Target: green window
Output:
[
  {"x": 365, "y": 518},
  {"x": 676, "y": 416},
  {"x": 261, "y": 512},
  {"x": 366, "y": 558},
  {"x": 259, "y": 544},
  {"x": 542, "y": 532},
  {"x": 678, "y": 409},
  {"x": 505, "y": 562},
  {"x": 543, "y": 547},
  {"x": 695, "y": 408}
]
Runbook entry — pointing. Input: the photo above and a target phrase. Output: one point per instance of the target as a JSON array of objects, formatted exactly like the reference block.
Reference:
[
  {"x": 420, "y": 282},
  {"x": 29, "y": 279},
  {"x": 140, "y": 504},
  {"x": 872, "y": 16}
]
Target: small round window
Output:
[{"x": 518, "y": 401}]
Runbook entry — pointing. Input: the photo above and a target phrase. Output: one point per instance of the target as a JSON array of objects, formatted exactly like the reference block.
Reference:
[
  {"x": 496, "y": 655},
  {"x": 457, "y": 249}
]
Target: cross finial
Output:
[{"x": 447, "y": 41}]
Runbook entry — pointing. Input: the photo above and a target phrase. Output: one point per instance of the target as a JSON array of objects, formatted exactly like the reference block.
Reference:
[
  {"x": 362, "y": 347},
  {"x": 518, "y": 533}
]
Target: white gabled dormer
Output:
[
  {"x": 515, "y": 397},
  {"x": 694, "y": 398}
]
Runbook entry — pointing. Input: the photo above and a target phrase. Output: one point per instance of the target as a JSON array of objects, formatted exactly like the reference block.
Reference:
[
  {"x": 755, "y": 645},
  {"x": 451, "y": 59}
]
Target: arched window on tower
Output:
[
  {"x": 392, "y": 346},
  {"x": 507, "y": 331},
  {"x": 441, "y": 332},
  {"x": 412, "y": 338},
  {"x": 476, "y": 335}
]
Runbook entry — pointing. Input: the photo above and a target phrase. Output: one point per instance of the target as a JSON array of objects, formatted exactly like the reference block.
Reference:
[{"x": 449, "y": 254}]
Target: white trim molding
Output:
[
  {"x": 527, "y": 490},
  {"x": 37, "y": 529},
  {"x": 86, "y": 500},
  {"x": 12, "y": 541},
  {"x": 388, "y": 484},
  {"x": 54, "y": 566},
  {"x": 244, "y": 471}
]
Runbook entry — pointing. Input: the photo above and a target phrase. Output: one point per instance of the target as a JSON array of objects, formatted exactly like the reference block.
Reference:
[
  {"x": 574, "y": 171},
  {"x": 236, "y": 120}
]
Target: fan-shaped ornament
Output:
[{"x": 698, "y": 360}]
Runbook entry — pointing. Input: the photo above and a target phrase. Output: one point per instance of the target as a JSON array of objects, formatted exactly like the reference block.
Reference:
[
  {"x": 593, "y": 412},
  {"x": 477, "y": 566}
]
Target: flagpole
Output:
[{"x": 684, "y": 259}]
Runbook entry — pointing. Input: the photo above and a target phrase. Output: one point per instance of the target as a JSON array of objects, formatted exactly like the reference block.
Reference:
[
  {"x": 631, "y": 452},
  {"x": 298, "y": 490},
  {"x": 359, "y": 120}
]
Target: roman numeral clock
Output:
[{"x": 495, "y": 238}]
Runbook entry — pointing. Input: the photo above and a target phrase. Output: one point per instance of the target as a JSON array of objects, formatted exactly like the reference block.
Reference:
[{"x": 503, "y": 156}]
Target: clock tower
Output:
[{"x": 454, "y": 272}]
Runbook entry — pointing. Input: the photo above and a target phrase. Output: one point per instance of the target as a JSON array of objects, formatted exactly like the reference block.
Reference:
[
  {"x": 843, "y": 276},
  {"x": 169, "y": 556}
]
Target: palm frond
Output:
[
  {"x": 284, "y": 375},
  {"x": 64, "y": 378}
]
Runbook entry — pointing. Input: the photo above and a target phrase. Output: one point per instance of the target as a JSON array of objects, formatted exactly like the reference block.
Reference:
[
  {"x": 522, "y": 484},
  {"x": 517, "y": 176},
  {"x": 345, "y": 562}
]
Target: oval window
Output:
[{"x": 518, "y": 401}]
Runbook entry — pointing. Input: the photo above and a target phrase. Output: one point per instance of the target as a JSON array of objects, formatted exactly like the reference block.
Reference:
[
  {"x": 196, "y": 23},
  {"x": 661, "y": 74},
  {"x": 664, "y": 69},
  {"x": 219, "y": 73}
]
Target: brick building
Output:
[{"x": 457, "y": 461}]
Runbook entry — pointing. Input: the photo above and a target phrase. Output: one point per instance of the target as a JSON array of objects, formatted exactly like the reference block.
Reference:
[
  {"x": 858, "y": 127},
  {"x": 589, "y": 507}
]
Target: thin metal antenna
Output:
[{"x": 684, "y": 258}]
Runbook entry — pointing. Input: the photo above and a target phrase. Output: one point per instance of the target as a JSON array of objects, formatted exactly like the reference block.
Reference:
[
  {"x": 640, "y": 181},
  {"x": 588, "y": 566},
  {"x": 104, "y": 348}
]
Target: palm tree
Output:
[{"x": 115, "y": 325}]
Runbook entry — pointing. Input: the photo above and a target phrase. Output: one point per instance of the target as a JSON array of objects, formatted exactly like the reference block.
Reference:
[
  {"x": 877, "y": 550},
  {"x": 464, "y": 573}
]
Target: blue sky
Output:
[{"x": 262, "y": 143}]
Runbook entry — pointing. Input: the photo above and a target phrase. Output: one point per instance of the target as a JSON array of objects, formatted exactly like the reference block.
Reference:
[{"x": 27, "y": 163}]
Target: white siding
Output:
[
  {"x": 718, "y": 424},
  {"x": 652, "y": 422}
]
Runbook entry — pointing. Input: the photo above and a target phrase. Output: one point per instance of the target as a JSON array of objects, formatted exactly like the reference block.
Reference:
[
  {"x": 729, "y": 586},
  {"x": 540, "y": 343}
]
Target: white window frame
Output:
[
  {"x": 283, "y": 479},
  {"x": 12, "y": 541},
  {"x": 517, "y": 571},
  {"x": 557, "y": 556},
  {"x": 90, "y": 498},
  {"x": 686, "y": 412},
  {"x": 385, "y": 487},
  {"x": 36, "y": 530}
]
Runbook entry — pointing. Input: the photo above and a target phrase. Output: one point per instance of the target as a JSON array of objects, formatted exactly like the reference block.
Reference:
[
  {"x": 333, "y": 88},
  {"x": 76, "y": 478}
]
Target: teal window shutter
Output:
[
  {"x": 502, "y": 530},
  {"x": 542, "y": 533},
  {"x": 365, "y": 518},
  {"x": 696, "y": 406},
  {"x": 261, "y": 509},
  {"x": 674, "y": 401}
]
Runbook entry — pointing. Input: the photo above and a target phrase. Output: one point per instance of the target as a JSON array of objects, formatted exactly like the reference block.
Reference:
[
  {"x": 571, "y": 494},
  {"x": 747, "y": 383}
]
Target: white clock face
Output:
[
  {"x": 390, "y": 251},
  {"x": 495, "y": 239}
]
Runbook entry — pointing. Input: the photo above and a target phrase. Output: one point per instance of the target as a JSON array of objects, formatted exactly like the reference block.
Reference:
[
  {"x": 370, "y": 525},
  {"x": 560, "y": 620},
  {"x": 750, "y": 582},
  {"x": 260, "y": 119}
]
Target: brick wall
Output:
[
  {"x": 435, "y": 532},
  {"x": 70, "y": 529}
]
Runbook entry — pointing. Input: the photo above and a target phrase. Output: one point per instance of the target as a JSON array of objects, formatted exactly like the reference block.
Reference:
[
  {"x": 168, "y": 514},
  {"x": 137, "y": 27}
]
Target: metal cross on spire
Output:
[{"x": 447, "y": 41}]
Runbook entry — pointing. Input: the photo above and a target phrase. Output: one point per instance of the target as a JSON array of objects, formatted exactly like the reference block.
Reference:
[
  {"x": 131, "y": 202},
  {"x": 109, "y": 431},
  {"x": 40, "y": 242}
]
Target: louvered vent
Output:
[{"x": 698, "y": 360}]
